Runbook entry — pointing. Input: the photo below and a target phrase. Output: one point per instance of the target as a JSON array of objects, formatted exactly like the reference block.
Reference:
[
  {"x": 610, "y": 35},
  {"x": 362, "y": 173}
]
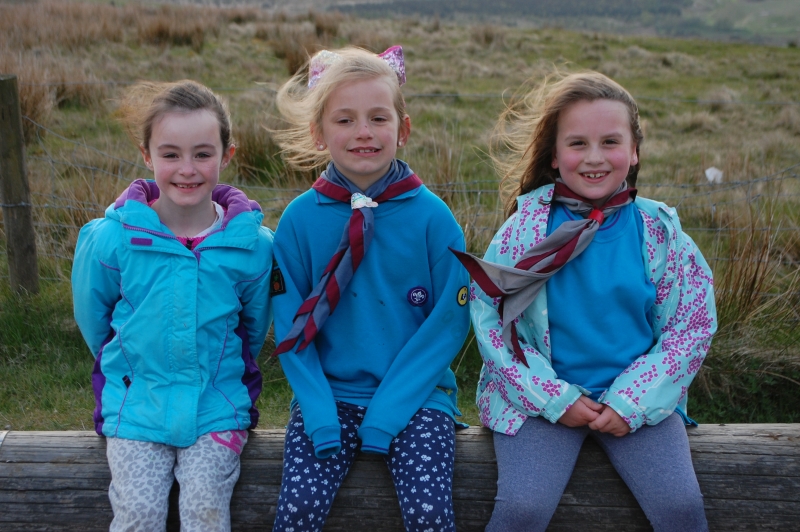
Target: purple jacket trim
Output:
[
  {"x": 142, "y": 241},
  {"x": 98, "y": 383},
  {"x": 251, "y": 377},
  {"x": 233, "y": 200},
  {"x": 140, "y": 190}
]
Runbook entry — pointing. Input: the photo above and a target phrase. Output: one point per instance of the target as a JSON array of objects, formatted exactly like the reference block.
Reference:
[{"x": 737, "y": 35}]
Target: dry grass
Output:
[
  {"x": 70, "y": 56},
  {"x": 66, "y": 24},
  {"x": 487, "y": 35},
  {"x": 175, "y": 26},
  {"x": 36, "y": 97}
]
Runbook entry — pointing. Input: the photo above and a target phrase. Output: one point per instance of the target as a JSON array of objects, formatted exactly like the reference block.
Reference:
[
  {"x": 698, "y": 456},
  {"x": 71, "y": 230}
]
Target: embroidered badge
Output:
[
  {"x": 277, "y": 285},
  {"x": 417, "y": 296},
  {"x": 463, "y": 296}
]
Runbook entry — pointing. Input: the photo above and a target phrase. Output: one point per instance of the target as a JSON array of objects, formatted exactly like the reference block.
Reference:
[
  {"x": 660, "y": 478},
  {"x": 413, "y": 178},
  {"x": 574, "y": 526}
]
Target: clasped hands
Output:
[{"x": 596, "y": 416}]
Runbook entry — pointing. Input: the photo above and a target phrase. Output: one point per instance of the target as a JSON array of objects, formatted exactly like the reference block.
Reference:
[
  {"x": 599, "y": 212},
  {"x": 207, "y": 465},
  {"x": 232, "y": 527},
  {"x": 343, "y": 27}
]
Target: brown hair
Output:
[
  {"x": 301, "y": 106},
  {"x": 144, "y": 102},
  {"x": 525, "y": 135}
]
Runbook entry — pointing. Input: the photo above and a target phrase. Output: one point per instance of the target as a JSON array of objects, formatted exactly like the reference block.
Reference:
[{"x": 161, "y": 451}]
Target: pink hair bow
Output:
[{"x": 323, "y": 59}]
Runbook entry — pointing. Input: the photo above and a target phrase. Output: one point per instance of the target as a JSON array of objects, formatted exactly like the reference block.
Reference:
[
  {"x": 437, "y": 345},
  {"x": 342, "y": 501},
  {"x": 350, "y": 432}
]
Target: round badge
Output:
[
  {"x": 417, "y": 296},
  {"x": 463, "y": 296}
]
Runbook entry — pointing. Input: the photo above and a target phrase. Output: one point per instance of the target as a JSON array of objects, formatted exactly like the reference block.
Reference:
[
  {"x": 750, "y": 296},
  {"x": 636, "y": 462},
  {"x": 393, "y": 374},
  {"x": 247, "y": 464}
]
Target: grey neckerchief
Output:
[{"x": 518, "y": 286}]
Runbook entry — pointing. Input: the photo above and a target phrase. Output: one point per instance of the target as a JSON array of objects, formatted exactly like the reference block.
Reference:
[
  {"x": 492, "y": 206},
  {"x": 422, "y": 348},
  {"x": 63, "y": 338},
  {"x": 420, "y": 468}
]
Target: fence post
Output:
[{"x": 15, "y": 194}]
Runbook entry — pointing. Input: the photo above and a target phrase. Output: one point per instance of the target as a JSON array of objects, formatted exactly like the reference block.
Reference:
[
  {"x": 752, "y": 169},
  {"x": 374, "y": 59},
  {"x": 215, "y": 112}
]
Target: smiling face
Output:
[
  {"x": 594, "y": 148},
  {"x": 361, "y": 129},
  {"x": 186, "y": 157}
]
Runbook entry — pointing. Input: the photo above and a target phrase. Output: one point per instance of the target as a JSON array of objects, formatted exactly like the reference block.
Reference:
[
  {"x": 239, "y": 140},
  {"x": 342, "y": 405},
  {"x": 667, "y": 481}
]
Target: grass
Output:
[{"x": 703, "y": 103}]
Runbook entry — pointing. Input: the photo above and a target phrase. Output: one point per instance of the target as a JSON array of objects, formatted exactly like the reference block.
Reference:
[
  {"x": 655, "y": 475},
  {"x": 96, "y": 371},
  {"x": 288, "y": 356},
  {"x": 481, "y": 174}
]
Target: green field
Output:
[{"x": 704, "y": 103}]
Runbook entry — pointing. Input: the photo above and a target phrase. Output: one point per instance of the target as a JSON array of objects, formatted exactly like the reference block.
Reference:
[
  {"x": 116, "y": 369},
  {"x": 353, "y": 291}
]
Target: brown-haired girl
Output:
[
  {"x": 592, "y": 309},
  {"x": 171, "y": 293}
]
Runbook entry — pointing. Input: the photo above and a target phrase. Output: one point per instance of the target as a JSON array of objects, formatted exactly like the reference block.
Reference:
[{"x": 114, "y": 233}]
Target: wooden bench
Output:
[{"x": 749, "y": 475}]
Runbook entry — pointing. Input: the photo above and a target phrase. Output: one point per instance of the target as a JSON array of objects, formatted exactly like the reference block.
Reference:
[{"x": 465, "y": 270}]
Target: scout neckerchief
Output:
[
  {"x": 517, "y": 287},
  {"x": 356, "y": 238}
]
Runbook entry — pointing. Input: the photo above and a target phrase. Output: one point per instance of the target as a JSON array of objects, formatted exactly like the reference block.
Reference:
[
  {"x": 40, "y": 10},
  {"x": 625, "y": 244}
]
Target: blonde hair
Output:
[
  {"x": 301, "y": 106},
  {"x": 525, "y": 135},
  {"x": 144, "y": 102}
]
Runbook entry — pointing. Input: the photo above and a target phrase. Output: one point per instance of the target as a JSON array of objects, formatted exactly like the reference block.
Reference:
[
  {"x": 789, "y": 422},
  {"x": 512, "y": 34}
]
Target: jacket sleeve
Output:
[
  {"x": 535, "y": 390},
  {"x": 684, "y": 320},
  {"x": 256, "y": 314},
  {"x": 96, "y": 287},
  {"x": 422, "y": 361},
  {"x": 303, "y": 370}
]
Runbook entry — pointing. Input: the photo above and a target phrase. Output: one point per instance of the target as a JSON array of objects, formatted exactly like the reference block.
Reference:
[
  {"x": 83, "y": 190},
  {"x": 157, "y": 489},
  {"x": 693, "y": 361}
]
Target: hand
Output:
[
  {"x": 582, "y": 412},
  {"x": 611, "y": 422}
]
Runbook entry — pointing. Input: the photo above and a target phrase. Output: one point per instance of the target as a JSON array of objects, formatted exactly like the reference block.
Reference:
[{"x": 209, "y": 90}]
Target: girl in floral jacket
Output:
[{"x": 592, "y": 309}]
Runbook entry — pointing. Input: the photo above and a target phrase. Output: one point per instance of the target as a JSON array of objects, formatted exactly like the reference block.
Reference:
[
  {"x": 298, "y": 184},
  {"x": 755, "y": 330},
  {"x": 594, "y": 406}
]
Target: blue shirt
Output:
[{"x": 599, "y": 303}]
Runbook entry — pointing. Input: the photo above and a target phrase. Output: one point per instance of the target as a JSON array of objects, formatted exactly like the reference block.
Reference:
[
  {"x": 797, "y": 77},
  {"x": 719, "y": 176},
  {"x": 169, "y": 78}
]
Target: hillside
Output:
[{"x": 734, "y": 106}]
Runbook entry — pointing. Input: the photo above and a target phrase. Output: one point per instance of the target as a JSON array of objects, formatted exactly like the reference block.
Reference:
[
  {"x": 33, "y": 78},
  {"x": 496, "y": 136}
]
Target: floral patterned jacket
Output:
[{"x": 683, "y": 319}]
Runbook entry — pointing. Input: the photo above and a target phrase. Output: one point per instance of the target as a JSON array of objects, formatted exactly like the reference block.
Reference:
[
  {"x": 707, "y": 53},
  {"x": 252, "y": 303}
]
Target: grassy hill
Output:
[
  {"x": 762, "y": 21},
  {"x": 704, "y": 103}
]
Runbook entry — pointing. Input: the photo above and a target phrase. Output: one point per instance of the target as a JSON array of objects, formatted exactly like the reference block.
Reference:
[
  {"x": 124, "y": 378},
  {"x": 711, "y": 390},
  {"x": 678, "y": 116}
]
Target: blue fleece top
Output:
[
  {"x": 400, "y": 322},
  {"x": 599, "y": 303}
]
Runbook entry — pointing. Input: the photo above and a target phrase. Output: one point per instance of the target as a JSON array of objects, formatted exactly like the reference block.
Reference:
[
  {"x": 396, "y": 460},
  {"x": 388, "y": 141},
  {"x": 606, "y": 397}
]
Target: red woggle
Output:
[{"x": 597, "y": 215}]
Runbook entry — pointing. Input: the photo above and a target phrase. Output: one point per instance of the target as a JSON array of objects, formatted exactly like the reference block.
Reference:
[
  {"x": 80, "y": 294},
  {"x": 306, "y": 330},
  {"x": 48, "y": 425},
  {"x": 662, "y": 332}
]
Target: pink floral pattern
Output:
[{"x": 683, "y": 318}]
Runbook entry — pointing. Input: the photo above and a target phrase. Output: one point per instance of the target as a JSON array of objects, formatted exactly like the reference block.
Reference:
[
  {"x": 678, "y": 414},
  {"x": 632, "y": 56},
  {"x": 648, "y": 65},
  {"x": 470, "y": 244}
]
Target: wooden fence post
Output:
[{"x": 15, "y": 194}]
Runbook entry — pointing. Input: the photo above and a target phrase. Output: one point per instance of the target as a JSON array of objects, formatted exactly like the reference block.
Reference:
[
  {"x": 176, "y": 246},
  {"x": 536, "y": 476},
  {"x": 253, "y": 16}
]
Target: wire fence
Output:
[{"x": 76, "y": 182}]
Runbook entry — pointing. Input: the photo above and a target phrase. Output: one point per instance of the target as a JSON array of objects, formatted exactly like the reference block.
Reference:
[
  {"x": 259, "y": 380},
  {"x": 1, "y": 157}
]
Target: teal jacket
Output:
[
  {"x": 683, "y": 320},
  {"x": 174, "y": 331}
]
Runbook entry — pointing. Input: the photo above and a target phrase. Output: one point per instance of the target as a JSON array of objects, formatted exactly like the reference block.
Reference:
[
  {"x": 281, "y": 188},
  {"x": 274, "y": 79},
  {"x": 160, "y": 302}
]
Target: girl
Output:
[
  {"x": 593, "y": 312},
  {"x": 370, "y": 306},
  {"x": 171, "y": 294}
]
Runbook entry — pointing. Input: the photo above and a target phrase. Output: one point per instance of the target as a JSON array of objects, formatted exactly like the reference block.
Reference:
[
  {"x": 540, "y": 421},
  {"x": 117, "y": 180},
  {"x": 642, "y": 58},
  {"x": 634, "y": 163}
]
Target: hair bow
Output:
[{"x": 323, "y": 59}]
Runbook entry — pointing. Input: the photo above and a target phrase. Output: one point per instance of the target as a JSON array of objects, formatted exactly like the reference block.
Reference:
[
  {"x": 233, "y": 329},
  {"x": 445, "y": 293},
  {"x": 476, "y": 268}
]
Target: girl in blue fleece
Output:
[
  {"x": 171, "y": 293},
  {"x": 370, "y": 305}
]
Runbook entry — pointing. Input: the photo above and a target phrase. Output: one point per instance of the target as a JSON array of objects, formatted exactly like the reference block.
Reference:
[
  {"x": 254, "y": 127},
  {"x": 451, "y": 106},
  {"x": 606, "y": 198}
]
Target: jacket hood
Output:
[{"x": 233, "y": 200}]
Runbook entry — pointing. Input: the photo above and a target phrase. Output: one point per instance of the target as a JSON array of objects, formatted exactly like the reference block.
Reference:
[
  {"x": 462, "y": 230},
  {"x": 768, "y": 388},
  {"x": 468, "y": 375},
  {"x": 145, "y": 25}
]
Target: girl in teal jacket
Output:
[{"x": 171, "y": 294}]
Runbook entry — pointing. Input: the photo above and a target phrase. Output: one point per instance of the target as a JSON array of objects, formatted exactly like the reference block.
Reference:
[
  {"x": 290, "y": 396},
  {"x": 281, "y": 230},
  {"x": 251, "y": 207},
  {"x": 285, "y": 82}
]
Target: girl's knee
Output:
[
  {"x": 299, "y": 516},
  {"x": 421, "y": 515},
  {"x": 519, "y": 512},
  {"x": 683, "y": 512}
]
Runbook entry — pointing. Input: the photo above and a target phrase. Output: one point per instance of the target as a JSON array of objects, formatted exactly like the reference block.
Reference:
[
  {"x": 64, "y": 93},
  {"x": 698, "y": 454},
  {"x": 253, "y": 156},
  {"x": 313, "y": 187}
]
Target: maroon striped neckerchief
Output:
[
  {"x": 357, "y": 235},
  {"x": 517, "y": 287}
]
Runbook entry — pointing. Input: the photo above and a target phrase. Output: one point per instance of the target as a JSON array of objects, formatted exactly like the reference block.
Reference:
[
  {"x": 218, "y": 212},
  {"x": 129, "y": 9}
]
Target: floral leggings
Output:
[{"x": 420, "y": 461}]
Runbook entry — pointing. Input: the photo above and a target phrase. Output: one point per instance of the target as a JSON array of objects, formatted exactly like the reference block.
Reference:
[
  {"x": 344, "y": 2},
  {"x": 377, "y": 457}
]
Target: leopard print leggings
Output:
[{"x": 142, "y": 474}]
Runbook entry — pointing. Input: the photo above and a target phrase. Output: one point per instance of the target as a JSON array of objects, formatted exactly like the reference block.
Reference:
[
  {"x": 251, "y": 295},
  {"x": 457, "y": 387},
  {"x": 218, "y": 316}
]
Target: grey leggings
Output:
[
  {"x": 142, "y": 474},
  {"x": 535, "y": 465}
]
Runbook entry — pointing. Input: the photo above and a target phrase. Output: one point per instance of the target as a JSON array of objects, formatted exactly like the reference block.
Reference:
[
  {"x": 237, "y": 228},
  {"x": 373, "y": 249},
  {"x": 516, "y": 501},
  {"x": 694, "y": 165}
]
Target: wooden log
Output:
[
  {"x": 15, "y": 193},
  {"x": 749, "y": 476}
]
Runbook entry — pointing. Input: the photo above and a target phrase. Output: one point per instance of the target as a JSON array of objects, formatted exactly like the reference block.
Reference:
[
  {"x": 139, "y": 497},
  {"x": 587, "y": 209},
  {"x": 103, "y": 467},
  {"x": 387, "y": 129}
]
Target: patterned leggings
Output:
[
  {"x": 142, "y": 474},
  {"x": 420, "y": 461}
]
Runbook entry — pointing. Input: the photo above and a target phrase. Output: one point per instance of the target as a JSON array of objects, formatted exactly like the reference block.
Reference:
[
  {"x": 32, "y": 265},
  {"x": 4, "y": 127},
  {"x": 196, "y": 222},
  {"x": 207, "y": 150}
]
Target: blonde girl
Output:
[
  {"x": 370, "y": 306},
  {"x": 592, "y": 309},
  {"x": 171, "y": 293}
]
